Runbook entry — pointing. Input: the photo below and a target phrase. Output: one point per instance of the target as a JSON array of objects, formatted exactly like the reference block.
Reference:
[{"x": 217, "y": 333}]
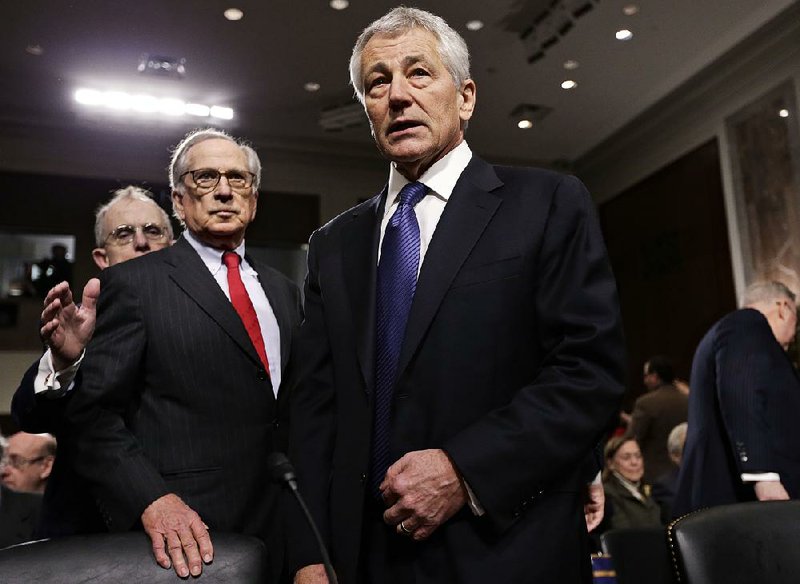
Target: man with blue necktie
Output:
[{"x": 462, "y": 347}]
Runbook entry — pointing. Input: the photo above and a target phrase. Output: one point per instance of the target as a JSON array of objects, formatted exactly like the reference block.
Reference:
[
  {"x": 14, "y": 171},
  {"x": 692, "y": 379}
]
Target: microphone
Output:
[{"x": 281, "y": 471}]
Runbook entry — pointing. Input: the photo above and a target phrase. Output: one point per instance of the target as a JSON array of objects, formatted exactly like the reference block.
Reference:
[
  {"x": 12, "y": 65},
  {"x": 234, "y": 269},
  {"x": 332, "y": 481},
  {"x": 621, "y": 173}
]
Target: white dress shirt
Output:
[{"x": 270, "y": 331}]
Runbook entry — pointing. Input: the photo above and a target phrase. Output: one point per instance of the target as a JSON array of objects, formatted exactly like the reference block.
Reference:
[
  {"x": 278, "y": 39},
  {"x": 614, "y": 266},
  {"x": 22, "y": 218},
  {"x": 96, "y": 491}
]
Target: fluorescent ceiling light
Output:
[
  {"x": 474, "y": 25},
  {"x": 569, "y": 84},
  {"x": 524, "y": 124},
  {"x": 624, "y": 35},
  {"x": 148, "y": 104}
]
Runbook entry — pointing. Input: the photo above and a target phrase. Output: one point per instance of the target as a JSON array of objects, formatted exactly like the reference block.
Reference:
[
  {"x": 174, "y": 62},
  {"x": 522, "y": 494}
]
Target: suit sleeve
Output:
[
  {"x": 746, "y": 357},
  {"x": 313, "y": 424},
  {"x": 109, "y": 456},
  {"x": 39, "y": 413},
  {"x": 514, "y": 453},
  {"x": 641, "y": 419}
]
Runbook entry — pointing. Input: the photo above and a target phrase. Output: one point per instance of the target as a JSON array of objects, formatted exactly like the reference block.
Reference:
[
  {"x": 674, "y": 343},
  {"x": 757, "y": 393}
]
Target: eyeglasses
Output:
[
  {"x": 206, "y": 180},
  {"x": 18, "y": 462},
  {"x": 124, "y": 234}
]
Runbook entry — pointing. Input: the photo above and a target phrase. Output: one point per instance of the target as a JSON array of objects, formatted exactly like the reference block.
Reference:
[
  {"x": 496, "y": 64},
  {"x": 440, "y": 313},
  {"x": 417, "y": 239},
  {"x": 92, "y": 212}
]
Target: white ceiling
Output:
[{"x": 259, "y": 65}]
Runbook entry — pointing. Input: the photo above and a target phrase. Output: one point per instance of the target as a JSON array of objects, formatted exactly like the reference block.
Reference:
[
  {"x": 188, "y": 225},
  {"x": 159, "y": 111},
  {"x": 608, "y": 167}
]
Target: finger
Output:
[
  {"x": 175, "y": 549},
  {"x": 160, "y": 554},
  {"x": 51, "y": 310},
  {"x": 423, "y": 532},
  {"x": 47, "y": 330},
  {"x": 56, "y": 291},
  {"x": 90, "y": 294},
  {"x": 394, "y": 514},
  {"x": 203, "y": 539},
  {"x": 191, "y": 551}
]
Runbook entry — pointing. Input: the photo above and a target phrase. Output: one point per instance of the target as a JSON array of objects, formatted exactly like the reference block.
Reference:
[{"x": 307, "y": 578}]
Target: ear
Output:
[
  {"x": 47, "y": 467},
  {"x": 466, "y": 97},
  {"x": 100, "y": 257},
  {"x": 177, "y": 204}
]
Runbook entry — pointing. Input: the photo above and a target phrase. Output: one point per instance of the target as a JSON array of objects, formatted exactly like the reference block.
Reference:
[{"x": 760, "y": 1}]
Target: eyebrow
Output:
[{"x": 381, "y": 67}]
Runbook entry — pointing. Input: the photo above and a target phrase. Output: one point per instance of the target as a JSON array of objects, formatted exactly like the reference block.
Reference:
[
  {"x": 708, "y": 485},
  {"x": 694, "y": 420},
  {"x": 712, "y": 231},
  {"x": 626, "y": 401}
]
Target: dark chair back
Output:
[
  {"x": 126, "y": 557},
  {"x": 738, "y": 544},
  {"x": 640, "y": 556}
]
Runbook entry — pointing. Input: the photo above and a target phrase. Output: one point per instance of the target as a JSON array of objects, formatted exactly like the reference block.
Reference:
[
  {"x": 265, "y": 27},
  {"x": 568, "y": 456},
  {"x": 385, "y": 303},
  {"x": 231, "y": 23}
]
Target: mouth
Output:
[
  {"x": 401, "y": 126},
  {"x": 224, "y": 212}
]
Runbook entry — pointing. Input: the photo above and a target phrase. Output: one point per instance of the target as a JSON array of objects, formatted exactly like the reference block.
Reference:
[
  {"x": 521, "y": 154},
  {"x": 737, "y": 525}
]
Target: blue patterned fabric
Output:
[{"x": 397, "y": 281}]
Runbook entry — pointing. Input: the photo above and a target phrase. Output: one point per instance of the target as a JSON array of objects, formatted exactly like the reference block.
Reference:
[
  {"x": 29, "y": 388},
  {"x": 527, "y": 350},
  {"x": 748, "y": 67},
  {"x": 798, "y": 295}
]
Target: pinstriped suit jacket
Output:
[
  {"x": 174, "y": 397},
  {"x": 743, "y": 411}
]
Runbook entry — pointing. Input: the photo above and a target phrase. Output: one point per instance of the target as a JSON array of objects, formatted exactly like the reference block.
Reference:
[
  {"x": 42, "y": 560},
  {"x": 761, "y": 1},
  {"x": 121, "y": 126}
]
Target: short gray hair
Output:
[
  {"x": 452, "y": 47},
  {"x": 766, "y": 292},
  {"x": 676, "y": 439},
  {"x": 177, "y": 165},
  {"x": 129, "y": 193}
]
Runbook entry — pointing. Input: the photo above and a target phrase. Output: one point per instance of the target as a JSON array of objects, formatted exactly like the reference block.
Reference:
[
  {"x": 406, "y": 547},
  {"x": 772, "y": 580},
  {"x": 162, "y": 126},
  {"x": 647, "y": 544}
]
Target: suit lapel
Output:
[
  {"x": 192, "y": 276},
  {"x": 359, "y": 264},
  {"x": 468, "y": 211}
]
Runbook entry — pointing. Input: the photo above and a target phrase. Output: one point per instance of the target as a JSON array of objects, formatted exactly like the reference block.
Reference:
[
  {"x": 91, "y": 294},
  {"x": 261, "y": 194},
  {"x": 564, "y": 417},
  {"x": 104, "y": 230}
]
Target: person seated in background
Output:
[
  {"x": 18, "y": 511},
  {"x": 129, "y": 225},
  {"x": 28, "y": 462},
  {"x": 664, "y": 488},
  {"x": 628, "y": 501}
]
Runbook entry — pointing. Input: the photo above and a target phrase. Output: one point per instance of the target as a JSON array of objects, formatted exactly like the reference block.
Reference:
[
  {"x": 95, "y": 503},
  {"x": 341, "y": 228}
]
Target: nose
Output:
[
  {"x": 399, "y": 94},
  {"x": 223, "y": 190},
  {"x": 140, "y": 242}
]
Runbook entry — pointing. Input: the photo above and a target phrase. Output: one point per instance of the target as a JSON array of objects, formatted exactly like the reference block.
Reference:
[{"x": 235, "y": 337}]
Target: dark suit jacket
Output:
[
  {"x": 19, "y": 513},
  {"x": 743, "y": 415},
  {"x": 655, "y": 414},
  {"x": 174, "y": 397},
  {"x": 67, "y": 506},
  {"x": 512, "y": 363}
]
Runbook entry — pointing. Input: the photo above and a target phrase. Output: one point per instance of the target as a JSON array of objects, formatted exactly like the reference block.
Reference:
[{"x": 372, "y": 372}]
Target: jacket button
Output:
[
  {"x": 261, "y": 374},
  {"x": 363, "y": 478}
]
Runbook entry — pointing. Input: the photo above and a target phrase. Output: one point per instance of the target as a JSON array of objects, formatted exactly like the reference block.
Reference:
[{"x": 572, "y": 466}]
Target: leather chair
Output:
[
  {"x": 738, "y": 544},
  {"x": 639, "y": 555},
  {"x": 126, "y": 557}
]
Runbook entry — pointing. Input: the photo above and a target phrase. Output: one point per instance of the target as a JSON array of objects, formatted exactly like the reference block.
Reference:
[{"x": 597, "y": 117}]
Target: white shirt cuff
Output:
[
  {"x": 757, "y": 477},
  {"x": 472, "y": 501},
  {"x": 52, "y": 383}
]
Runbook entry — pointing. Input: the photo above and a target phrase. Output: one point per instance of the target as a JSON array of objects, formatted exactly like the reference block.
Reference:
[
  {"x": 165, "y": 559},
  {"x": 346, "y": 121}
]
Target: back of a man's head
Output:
[
  {"x": 778, "y": 305},
  {"x": 661, "y": 366}
]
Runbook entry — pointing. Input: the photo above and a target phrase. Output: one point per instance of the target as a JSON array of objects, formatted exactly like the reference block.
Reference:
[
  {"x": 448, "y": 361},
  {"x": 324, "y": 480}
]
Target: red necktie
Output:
[{"x": 243, "y": 305}]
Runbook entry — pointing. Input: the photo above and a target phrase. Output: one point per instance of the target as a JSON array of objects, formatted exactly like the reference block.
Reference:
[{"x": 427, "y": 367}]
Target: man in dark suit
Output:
[
  {"x": 180, "y": 402},
  {"x": 129, "y": 225},
  {"x": 461, "y": 329},
  {"x": 743, "y": 436},
  {"x": 655, "y": 414},
  {"x": 18, "y": 516}
]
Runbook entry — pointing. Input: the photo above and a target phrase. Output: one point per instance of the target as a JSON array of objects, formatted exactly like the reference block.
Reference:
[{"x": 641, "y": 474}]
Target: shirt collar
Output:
[
  {"x": 440, "y": 178},
  {"x": 211, "y": 256}
]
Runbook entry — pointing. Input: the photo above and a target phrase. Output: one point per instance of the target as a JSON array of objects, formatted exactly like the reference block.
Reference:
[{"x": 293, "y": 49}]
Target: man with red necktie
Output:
[{"x": 181, "y": 398}]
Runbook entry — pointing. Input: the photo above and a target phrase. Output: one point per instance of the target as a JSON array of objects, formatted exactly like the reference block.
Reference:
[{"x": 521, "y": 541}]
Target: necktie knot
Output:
[
  {"x": 412, "y": 193},
  {"x": 231, "y": 259}
]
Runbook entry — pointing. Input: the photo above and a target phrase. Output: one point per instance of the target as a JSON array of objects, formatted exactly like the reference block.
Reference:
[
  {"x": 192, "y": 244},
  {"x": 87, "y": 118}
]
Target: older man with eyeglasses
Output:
[
  {"x": 184, "y": 379},
  {"x": 129, "y": 225}
]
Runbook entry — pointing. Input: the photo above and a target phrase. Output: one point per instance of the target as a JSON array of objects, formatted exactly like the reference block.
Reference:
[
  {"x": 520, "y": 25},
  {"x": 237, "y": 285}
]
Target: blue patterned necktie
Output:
[{"x": 397, "y": 281}]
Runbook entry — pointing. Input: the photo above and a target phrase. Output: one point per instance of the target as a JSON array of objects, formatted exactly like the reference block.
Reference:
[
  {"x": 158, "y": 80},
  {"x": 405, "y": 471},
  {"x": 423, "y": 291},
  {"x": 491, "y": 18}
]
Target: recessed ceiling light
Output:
[
  {"x": 524, "y": 124},
  {"x": 630, "y": 9},
  {"x": 571, "y": 64},
  {"x": 339, "y": 4},
  {"x": 233, "y": 14},
  {"x": 784, "y": 113},
  {"x": 624, "y": 35},
  {"x": 311, "y": 86},
  {"x": 35, "y": 50},
  {"x": 474, "y": 25},
  {"x": 569, "y": 84}
]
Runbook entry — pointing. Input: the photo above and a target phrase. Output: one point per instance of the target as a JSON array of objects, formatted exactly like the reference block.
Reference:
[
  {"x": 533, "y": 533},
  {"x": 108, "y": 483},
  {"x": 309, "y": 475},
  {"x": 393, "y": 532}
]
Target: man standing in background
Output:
[
  {"x": 743, "y": 435},
  {"x": 129, "y": 225}
]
